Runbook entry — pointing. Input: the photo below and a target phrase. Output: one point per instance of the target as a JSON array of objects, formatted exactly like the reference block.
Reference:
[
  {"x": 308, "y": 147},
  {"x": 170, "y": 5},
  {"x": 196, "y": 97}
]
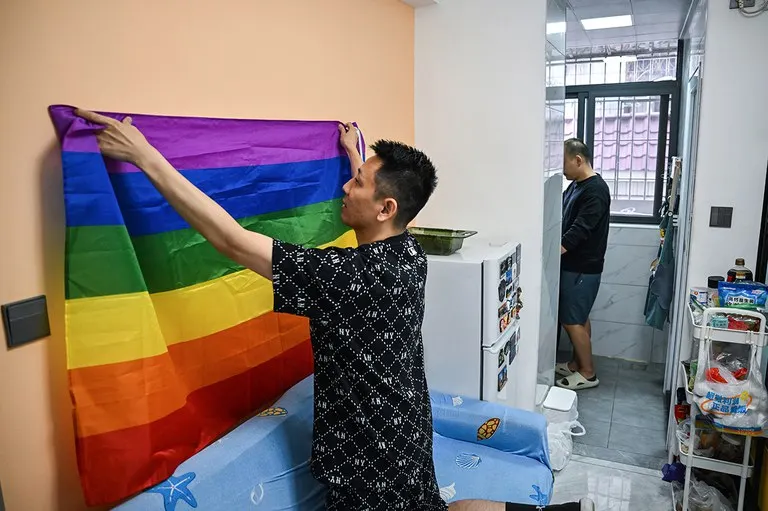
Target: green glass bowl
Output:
[{"x": 440, "y": 241}]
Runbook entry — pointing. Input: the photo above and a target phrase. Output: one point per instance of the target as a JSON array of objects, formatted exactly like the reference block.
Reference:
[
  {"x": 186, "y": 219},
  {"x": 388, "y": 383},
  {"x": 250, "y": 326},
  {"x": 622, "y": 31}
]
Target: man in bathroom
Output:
[
  {"x": 372, "y": 435},
  {"x": 586, "y": 216}
]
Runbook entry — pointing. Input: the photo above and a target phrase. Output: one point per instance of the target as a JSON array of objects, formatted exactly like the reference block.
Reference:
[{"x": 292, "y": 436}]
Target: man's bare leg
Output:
[
  {"x": 573, "y": 365},
  {"x": 477, "y": 505},
  {"x": 582, "y": 347}
]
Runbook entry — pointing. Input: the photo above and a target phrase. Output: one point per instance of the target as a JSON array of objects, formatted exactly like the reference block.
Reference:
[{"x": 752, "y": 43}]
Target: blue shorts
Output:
[{"x": 577, "y": 296}]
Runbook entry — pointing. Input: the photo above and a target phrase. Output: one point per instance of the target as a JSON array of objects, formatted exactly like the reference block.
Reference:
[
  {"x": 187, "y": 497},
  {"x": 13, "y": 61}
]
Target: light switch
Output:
[
  {"x": 25, "y": 321},
  {"x": 720, "y": 217}
]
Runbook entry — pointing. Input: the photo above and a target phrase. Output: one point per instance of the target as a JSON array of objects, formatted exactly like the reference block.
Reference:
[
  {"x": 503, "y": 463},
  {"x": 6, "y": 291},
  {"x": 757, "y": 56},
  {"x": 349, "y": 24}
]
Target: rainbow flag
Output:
[{"x": 169, "y": 343}]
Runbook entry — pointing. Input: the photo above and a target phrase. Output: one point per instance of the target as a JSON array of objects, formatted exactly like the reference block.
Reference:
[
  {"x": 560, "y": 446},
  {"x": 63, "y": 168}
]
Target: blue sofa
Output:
[{"x": 482, "y": 451}]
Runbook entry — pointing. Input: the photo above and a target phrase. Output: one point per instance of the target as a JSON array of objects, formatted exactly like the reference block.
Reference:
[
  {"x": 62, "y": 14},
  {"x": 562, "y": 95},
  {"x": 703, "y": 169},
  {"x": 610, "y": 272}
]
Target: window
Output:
[
  {"x": 629, "y": 135},
  {"x": 625, "y": 103}
]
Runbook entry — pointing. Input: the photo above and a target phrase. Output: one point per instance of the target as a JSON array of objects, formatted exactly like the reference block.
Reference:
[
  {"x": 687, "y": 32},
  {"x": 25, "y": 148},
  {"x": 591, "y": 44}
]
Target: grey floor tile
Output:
[
  {"x": 648, "y": 374},
  {"x": 595, "y": 407},
  {"x": 647, "y": 412},
  {"x": 632, "y": 365},
  {"x": 634, "y": 459},
  {"x": 630, "y": 384},
  {"x": 597, "y": 432},
  {"x": 634, "y": 439},
  {"x": 657, "y": 368},
  {"x": 605, "y": 391},
  {"x": 606, "y": 366}
]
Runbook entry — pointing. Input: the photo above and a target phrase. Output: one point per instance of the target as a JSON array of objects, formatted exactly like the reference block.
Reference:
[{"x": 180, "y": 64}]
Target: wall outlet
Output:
[{"x": 740, "y": 4}]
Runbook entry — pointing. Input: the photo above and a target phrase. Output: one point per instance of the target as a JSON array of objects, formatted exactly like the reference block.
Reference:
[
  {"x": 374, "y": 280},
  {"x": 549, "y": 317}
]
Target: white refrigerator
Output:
[{"x": 471, "y": 321}]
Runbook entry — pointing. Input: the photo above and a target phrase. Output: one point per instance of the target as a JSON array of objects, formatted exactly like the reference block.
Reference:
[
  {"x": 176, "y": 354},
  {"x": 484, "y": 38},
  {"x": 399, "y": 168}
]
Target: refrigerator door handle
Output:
[{"x": 496, "y": 348}]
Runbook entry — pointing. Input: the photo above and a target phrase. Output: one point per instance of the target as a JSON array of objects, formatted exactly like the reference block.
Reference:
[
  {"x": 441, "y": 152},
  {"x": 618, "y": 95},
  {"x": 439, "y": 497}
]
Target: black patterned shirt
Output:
[{"x": 372, "y": 413}]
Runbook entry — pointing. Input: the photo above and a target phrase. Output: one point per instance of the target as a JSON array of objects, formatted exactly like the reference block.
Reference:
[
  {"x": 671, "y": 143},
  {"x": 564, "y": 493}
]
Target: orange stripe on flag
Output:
[{"x": 128, "y": 394}]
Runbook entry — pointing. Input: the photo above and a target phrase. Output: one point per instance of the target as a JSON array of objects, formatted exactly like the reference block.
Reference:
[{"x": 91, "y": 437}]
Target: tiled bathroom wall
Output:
[
  {"x": 618, "y": 321},
  {"x": 553, "y": 187}
]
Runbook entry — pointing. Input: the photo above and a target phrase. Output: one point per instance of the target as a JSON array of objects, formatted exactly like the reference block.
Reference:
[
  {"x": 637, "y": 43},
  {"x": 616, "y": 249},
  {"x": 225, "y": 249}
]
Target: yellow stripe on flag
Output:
[
  {"x": 120, "y": 328},
  {"x": 111, "y": 329}
]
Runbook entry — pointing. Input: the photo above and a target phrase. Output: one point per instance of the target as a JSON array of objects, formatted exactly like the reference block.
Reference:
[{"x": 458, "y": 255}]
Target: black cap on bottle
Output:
[{"x": 712, "y": 281}]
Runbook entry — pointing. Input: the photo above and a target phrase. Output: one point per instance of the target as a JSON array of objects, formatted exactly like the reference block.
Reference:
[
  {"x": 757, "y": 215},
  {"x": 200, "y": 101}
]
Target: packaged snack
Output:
[
  {"x": 742, "y": 295},
  {"x": 700, "y": 295},
  {"x": 719, "y": 321},
  {"x": 747, "y": 323}
]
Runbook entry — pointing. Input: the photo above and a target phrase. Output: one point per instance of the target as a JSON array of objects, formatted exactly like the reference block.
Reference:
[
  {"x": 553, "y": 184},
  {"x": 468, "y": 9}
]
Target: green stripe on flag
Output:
[{"x": 104, "y": 260}]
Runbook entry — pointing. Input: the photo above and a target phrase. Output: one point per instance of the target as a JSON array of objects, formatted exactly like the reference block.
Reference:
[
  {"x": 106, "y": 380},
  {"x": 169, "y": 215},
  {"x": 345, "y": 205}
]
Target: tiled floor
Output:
[
  {"x": 625, "y": 416},
  {"x": 613, "y": 486}
]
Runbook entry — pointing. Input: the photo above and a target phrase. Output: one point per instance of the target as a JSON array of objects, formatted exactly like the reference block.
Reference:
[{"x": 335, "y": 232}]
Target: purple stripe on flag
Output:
[{"x": 204, "y": 143}]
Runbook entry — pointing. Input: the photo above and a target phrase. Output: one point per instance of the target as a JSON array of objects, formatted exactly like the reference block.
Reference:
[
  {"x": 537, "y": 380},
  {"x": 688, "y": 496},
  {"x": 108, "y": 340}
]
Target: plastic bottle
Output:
[
  {"x": 712, "y": 299},
  {"x": 740, "y": 273}
]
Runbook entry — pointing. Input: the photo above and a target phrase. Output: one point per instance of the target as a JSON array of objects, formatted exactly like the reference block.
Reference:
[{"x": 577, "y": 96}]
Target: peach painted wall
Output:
[{"x": 287, "y": 59}]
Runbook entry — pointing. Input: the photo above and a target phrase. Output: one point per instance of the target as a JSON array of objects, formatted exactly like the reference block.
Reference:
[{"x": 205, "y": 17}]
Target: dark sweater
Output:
[{"x": 586, "y": 216}]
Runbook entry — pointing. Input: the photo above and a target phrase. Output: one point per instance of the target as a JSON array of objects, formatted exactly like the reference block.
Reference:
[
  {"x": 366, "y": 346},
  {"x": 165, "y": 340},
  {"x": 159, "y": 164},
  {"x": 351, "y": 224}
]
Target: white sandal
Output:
[
  {"x": 562, "y": 369},
  {"x": 577, "y": 382}
]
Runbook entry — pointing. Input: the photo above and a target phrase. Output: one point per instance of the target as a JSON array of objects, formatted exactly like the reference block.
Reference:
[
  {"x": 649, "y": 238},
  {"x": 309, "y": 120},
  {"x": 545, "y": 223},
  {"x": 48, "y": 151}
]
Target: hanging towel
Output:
[{"x": 662, "y": 280}]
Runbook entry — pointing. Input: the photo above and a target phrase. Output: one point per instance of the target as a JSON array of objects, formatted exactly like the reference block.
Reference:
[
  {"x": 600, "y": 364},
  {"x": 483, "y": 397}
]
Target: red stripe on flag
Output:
[{"x": 116, "y": 465}]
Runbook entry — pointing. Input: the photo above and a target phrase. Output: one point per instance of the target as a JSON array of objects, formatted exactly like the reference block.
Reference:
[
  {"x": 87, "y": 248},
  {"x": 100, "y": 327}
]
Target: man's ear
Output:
[{"x": 388, "y": 209}]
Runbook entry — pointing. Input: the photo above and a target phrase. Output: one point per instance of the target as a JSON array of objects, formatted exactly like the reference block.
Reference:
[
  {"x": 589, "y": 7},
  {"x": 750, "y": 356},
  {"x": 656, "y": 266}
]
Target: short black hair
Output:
[
  {"x": 575, "y": 147},
  {"x": 407, "y": 175}
]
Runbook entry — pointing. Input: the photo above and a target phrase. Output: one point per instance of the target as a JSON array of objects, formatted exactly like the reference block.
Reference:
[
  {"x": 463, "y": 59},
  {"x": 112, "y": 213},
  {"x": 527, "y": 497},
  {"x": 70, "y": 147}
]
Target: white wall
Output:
[
  {"x": 479, "y": 113},
  {"x": 733, "y": 141},
  {"x": 731, "y": 149}
]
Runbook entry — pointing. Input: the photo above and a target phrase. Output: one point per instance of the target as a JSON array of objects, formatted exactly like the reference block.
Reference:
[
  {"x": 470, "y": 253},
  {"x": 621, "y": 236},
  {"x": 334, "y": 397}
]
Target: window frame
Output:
[{"x": 669, "y": 92}]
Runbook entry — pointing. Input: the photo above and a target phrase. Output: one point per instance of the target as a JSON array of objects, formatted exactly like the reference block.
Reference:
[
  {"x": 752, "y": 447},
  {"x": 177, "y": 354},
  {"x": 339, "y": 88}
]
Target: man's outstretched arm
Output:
[
  {"x": 348, "y": 137},
  {"x": 123, "y": 141}
]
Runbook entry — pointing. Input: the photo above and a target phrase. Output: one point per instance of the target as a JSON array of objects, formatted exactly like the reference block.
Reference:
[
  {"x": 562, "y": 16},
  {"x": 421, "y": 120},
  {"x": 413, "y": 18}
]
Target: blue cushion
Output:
[
  {"x": 491, "y": 424},
  {"x": 473, "y": 471},
  {"x": 264, "y": 463}
]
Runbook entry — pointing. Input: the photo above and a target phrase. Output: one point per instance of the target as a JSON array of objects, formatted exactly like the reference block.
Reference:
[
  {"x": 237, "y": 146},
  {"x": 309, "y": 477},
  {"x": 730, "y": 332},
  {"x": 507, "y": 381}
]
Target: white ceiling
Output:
[{"x": 654, "y": 20}]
